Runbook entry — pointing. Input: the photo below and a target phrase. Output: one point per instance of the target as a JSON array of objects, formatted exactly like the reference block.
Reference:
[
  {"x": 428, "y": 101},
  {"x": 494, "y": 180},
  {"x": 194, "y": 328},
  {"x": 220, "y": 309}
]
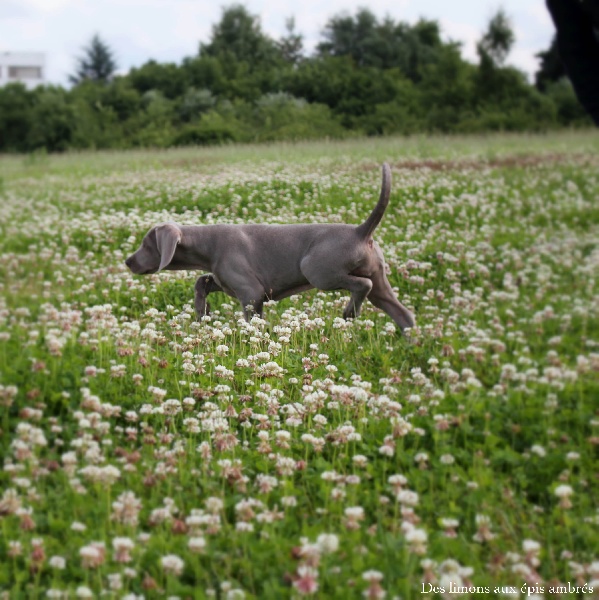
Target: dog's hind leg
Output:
[{"x": 330, "y": 279}]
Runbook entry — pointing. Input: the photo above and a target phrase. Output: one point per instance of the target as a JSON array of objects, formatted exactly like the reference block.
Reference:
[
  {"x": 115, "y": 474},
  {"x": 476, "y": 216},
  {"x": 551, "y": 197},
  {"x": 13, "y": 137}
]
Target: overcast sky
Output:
[{"x": 169, "y": 30}]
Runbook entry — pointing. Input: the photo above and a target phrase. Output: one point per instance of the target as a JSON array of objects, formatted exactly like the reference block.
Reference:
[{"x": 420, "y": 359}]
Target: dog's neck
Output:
[{"x": 194, "y": 250}]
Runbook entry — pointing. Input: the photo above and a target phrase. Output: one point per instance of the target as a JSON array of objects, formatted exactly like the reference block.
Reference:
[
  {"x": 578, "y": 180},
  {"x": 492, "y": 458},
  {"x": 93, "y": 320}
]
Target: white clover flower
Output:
[
  {"x": 538, "y": 450},
  {"x": 416, "y": 539},
  {"x": 197, "y": 544},
  {"x": 447, "y": 459},
  {"x": 172, "y": 564},
  {"x": 531, "y": 546},
  {"x": 360, "y": 460},
  {"x": 563, "y": 491},
  {"x": 327, "y": 543},
  {"x": 57, "y": 562},
  {"x": 372, "y": 576}
]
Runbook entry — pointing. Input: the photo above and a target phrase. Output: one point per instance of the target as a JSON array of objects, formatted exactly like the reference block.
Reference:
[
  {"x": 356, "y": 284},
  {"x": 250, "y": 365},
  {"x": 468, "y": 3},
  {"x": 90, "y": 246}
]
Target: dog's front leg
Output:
[
  {"x": 251, "y": 308},
  {"x": 360, "y": 288},
  {"x": 204, "y": 285}
]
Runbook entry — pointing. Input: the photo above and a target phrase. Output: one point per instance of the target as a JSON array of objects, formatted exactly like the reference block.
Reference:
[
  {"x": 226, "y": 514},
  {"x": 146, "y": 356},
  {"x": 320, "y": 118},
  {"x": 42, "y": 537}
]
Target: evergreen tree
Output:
[
  {"x": 291, "y": 46},
  {"x": 97, "y": 64}
]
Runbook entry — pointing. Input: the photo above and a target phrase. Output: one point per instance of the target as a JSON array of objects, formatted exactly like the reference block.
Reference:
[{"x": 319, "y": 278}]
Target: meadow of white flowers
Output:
[{"x": 148, "y": 455}]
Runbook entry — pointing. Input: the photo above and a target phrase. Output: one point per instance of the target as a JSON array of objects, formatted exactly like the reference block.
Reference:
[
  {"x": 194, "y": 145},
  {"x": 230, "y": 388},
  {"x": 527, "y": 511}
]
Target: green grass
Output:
[{"x": 482, "y": 413}]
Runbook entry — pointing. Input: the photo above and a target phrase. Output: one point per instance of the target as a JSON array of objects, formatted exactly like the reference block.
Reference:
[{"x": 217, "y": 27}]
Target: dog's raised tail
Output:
[{"x": 367, "y": 228}]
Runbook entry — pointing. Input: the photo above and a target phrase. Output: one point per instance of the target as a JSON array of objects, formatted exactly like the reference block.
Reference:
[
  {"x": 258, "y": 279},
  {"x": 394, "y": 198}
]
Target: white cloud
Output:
[
  {"x": 462, "y": 32},
  {"x": 49, "y": 5}
]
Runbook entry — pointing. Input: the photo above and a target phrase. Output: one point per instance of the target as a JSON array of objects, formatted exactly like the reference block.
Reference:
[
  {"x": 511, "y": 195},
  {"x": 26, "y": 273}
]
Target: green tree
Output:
[
  {"x": 122, "y": 97},
  {"x": 52, "y": 120},
  {"x": 569, "y": 110},
  {"x": 498, "y": 40},
  {"x": 350, "y": 92},
  {"x": 291, "y": 46},
  {"x": 383, "y": 45},
  {"x": 97, "y": 63},
  {"x": 239, "y": 35},
  {"x": 492, "y": 80},
  {"x": 447, "y": 91},
  {"x": 195, "y": 102},
  {"x": 357, "y": 37},
  {"x": 16, "y": 117},
  {"x": 168, "y": 78},
  {"x": 551, "y": 68}
]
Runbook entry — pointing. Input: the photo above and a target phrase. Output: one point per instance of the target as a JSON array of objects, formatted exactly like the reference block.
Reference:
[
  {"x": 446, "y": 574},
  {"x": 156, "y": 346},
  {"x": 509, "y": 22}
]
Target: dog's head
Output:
[{"x": 156, "y": 251}]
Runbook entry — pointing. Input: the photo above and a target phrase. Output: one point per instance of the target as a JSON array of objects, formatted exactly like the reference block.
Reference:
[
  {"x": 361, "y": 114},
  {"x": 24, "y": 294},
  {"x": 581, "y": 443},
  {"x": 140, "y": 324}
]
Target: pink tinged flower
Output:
[
  {"x": 126, "y": 508},
  {"x": 106, "y": 475},
  {"x": 407, "y": 498},
  {"x": 306, "y": 581},
  {"x": 122, "y": 549},
  {"x": 563, "y": 492},
  {"x": 92, "y": 555},
  {"x": 10, "y": 503},
  {"x": 397, "y": 482},
  {"x": 531, "y": 548},
  {"x": 15, "y": 548},
  {"x": 353, "y": 516},
  {"x": 372, "y": 576},
  {"x": 417, "y": 539},
  {"x": 421, "y": 459},
  {"x": 214, "y": 504},
  {"x": 115, "y": 581},
  {"x": 26, "y": 520},
  {"x": 484, "y": 533},
  {"x": 375, "y": 591},
  {"x": 310, "y": 553},
  {"x": 38, "y": 554},
  {"x": 266, "y": 483},
  {"x": 450, "y": 526}
]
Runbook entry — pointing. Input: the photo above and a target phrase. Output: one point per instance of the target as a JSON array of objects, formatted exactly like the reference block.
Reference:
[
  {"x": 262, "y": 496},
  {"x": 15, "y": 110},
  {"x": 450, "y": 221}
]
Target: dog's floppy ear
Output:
[{"x": 167, "y": 238}]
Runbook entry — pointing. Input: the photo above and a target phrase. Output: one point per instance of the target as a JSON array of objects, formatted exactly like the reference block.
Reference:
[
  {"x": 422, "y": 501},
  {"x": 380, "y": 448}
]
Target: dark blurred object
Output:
[{"x": 577, "y": 24}]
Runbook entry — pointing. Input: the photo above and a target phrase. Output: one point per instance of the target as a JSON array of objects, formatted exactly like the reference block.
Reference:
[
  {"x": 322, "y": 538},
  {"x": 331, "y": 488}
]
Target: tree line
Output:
[{"x": 367, "y": 76}]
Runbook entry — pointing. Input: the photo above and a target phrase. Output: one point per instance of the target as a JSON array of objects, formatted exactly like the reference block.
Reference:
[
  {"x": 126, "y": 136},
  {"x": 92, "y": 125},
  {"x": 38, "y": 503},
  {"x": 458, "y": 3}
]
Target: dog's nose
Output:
[{"x": 129, "y": 261}]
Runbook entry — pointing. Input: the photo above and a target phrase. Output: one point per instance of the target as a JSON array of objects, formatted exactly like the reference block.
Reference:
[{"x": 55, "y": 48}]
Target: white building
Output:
[{"x": 26, "y": 67}]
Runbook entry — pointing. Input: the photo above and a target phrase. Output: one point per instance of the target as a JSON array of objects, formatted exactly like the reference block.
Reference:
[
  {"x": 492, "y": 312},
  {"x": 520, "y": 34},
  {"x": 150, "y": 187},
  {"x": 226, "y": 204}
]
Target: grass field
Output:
[{"x": 148, "y": 455}]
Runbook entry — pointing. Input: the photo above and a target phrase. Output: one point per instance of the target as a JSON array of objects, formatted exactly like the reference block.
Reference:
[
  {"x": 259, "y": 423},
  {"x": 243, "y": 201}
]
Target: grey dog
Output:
[{"x": 254, "y": 263}]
